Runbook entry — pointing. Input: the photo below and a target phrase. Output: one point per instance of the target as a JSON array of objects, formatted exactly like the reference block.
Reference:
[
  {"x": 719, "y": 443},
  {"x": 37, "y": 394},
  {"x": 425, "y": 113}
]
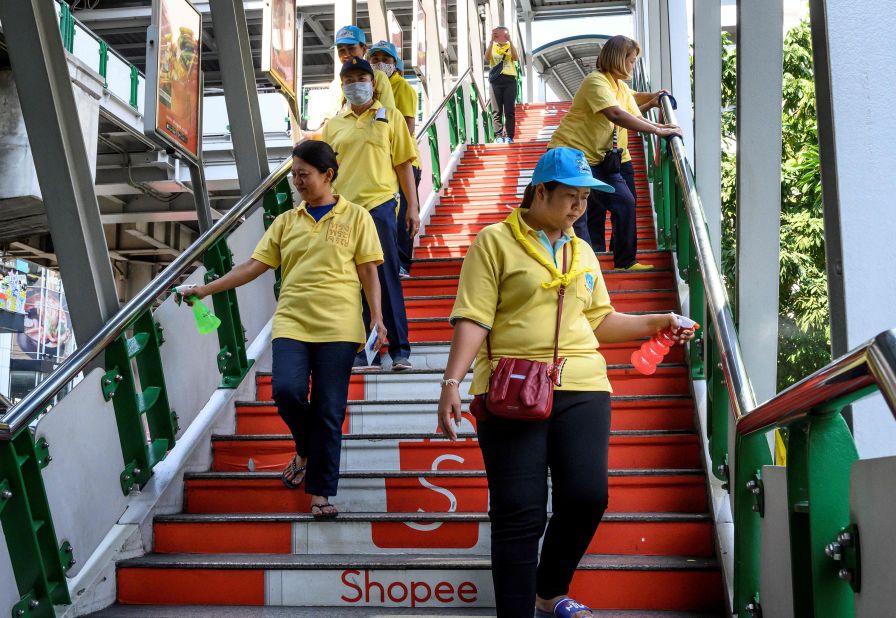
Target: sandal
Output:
[
  {"x": 290, "y": 473},
  {"x": 564, "y": 608},
  {"x": 323, "y": 514}
]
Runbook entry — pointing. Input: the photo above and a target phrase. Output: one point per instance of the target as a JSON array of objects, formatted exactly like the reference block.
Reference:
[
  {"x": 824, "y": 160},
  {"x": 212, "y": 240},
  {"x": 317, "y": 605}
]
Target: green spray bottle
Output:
[{"x": 206, "y": 321}]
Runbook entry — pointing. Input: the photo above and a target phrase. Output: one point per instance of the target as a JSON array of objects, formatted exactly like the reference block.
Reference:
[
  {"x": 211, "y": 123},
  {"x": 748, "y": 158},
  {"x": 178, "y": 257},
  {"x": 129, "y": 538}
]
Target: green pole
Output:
[
  {"x": 104, "y": 63},
  {"x": 135, "y": 82},
  {"x": 434, "y": 154}
]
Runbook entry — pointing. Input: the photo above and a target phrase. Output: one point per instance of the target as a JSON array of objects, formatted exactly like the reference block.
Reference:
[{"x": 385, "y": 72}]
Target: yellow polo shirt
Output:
[
  {"x": 368, "y": 148},
  {"x": 320, "y": 293},
  {"x": 406, "y": 103},
  {"x": 585, "y": 128},
  {"x": 381, "y": 88},
  {"x": 501, "y": 288},
  {"x": 501, "y": 51}
]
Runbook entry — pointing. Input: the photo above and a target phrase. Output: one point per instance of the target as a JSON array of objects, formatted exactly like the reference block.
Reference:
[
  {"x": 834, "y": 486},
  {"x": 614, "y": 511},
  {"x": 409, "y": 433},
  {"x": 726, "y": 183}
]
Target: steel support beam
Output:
[
  {"x": 240, "y": 92},
  {"x": 708, "y": 116},
  {"x": 858, "y": 185},
  {"x": 760, "y": 57},
  {"x": 530, "y": 59},
  {"x": 34, "y": 45},
  {"x": 435, "y": 78},
  {"x": 345, "y": 12},
  {"x": 654, "y": 47},
  {"x": 379, "y": 30}
]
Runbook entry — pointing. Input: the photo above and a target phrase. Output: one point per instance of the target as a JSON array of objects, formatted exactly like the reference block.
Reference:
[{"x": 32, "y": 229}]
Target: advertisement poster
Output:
[
  {"x": 396, "y": 35},
  {"x": 418, "y": 51},
  {"x": 178, "y": 93},
  {"x": 279, "y": 47},
  {"x": 13, "y": 286}
]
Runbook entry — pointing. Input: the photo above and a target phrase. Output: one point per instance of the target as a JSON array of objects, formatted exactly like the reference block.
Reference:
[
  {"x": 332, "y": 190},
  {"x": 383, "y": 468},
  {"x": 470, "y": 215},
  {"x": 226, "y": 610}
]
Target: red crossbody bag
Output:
[{"x": 521, "y": 389}]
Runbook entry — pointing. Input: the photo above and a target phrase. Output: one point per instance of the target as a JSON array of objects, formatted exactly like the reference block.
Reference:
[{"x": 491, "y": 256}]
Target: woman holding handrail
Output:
[
  {"x": 532, "y": 308},
  {"x": 327, "y": 251},
  {"x": 603, "y": 110}
]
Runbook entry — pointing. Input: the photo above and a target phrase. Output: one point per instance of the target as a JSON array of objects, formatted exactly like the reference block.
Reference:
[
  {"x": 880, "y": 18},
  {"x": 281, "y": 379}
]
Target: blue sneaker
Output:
[
  {"x": 499, "y": 140},
  {"x": 507, "y": 140}
]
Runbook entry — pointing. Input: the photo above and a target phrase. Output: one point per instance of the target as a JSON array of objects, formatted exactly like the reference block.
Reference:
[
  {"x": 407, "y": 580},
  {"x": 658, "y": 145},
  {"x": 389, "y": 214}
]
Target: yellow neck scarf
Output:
[{"x": 514, "y": 222}]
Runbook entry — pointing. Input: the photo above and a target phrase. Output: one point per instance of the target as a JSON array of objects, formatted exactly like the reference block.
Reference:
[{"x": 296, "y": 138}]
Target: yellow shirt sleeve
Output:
[
  {"x": 599, "y": 94},
  {"x": 631, "y": 105},
  {"x": 367, "y": 248},
  {"x": 477, "y": 290},
  {"x": 267, "y": 251},
  {"x": 600, "y": 301},
  {"x": 403, "y": 146},
  {"x": 383, "y": 88},
  {"x": 405, "y": 99}
]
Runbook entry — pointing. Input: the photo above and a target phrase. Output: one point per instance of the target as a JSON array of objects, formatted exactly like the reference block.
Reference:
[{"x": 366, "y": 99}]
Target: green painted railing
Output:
[
  {"x": 824, "y": 541},
  {"x": 131, "y": 338}
]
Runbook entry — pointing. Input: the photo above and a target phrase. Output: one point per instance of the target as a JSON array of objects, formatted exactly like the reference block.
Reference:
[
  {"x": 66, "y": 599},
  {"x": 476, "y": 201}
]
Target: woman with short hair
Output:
[{"x": 603, "y": 110}]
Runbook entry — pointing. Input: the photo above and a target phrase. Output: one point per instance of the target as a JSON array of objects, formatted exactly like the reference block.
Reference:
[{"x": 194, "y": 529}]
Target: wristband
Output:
[{"x": 449, "y": 382}]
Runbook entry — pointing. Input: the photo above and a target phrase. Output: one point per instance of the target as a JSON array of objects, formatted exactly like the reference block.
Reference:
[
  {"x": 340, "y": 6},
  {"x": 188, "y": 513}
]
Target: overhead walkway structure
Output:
[{"x": 151, "y": 488}]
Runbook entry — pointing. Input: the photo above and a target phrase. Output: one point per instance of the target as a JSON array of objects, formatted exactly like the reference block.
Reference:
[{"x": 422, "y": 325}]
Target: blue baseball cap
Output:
[
  {"x": 389, "y": 48},
  {"x": 567, "y": 166},
  {"x": 355, "y": 64},
  {"x": 350, "y": 35}
]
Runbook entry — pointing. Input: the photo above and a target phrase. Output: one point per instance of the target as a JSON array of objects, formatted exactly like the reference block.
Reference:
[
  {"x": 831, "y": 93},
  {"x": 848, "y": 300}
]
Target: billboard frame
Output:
[
  {"x": 290, "y": 91},
  {"x": 150, "y": 115}
]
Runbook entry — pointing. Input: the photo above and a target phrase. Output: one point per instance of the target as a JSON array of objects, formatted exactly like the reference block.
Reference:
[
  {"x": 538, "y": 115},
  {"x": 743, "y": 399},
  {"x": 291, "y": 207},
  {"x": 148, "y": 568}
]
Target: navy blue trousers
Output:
[
  {"x": 315, "y": 424},
  {"x": 395, "y": 317},
  {"x": 622, "y": 206},
  {"x": 405, "y": 242}
]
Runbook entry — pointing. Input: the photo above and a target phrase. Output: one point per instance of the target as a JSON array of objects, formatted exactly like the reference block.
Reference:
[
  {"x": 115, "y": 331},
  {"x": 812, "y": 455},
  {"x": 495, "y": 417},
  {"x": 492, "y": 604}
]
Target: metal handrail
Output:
[
  {"x": 432, "y": 117},
  {"x": 23, "y": 412},
  {"x": 743, "y": 400},
  {"x": 871, "y": 364}
]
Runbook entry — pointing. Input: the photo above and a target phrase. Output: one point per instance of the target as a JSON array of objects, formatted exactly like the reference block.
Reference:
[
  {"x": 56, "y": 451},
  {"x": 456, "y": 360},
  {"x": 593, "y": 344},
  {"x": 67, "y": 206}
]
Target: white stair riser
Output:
[
  {"x": 377, "y": 538},
  {"x": 424, "y": 357},
  {"x": 380, "y": 588},
  {"x": 407, "y": 418},
  {"x": 397, "y": 386}
]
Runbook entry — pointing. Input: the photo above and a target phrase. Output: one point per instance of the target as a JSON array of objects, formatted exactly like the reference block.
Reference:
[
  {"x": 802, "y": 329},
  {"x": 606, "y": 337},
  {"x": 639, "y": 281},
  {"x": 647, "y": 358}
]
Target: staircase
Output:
[{"x": 413, "y": 530}]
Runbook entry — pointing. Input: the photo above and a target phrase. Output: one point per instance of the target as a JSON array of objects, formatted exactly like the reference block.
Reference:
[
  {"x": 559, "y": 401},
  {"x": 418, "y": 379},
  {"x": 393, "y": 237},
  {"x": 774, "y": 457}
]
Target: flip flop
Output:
[
  {"x": 564, "y": 608},
  {"x": 321, "y": 514},
  {"x": 290, "y": 472}
]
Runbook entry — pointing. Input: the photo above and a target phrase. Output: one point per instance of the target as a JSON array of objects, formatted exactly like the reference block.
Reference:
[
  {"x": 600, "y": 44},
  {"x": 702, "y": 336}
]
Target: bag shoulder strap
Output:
[{"x": 561, "y": 293}]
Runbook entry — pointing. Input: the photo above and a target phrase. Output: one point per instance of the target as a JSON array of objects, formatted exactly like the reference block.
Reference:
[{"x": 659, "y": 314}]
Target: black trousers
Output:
[
  {"x": 503, "y": 93},
  {"x": 573, "y": 444},
  {"x": 316, "y": 426},
  {"x": 622, "y": 206}
]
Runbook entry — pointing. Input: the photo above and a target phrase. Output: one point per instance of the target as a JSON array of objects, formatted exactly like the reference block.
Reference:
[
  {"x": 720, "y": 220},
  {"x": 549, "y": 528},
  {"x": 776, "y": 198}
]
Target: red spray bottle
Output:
[{"x": 651, "y": 353}]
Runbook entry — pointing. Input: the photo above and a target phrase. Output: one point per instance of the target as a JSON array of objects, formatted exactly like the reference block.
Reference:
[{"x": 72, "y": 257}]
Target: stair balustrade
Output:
[
  {"x": 825, "y": 567},
  {"x": 127, "y": 368}
]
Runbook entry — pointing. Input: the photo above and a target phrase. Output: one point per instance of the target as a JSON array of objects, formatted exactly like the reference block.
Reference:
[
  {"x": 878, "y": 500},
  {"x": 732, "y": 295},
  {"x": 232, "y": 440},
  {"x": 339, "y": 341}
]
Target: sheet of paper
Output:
[{"x": 369, "y": 352}]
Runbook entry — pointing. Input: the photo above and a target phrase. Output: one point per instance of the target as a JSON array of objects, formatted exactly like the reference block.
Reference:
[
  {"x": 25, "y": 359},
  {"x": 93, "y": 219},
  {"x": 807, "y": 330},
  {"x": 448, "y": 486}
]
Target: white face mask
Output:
[
  {"x": 385, "y": 67},
  {"x": 358, "y": 93}
]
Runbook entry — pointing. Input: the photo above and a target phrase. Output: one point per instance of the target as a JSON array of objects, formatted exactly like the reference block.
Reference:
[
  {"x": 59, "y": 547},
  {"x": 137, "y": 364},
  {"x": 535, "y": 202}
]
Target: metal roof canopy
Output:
[
  {"x": 564, "y": 63},
  {"x": 122, "y": 24},
  {"x": 559, "y": 9}
]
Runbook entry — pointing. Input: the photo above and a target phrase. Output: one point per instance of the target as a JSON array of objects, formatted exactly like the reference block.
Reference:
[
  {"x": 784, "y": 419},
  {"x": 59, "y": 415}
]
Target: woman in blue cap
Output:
[
  {"x": 529, "y": 289},
  {"x": 384, "y": 57}
]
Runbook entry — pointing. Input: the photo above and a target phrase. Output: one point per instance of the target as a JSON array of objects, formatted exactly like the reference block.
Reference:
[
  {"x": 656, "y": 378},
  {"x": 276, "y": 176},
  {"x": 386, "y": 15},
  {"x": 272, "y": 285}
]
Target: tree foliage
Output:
[{"x": 804, "y": 330}]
